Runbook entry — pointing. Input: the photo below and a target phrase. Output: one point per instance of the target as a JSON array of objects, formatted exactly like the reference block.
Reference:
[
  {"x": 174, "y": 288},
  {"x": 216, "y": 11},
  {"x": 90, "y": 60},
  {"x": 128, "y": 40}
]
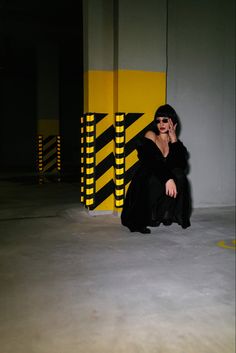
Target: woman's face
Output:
[{"x": 163, "y": 125}]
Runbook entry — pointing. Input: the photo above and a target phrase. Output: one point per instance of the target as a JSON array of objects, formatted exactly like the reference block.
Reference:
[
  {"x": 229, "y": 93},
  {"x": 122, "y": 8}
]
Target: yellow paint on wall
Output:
[
  {"x": 137, "y": 126},
  {"x": 51, "y": 153},
  {"x": 48, "y": 127},
  {"x": 136, "y": 91},
  {"x": 131, "y": 159},
  {"x": 98, "y": 91},
  {"x": 140, "y": 91},
  {"x": 104, "y": 179},
  {"x": 104, "y": 124},
  {"x": 106, "y": 204},
  {"x": 104, "y": 152},
  {"x": 49, "y": 165}
]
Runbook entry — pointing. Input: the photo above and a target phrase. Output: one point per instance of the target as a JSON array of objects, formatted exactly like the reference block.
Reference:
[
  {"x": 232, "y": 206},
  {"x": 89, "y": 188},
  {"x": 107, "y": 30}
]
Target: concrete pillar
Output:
[
  {"x": 47, "y": 89},
  {"x": 124, "y": 71},
  {"x": 99, "y": 93},
  {"x": 48, "y": 107}
]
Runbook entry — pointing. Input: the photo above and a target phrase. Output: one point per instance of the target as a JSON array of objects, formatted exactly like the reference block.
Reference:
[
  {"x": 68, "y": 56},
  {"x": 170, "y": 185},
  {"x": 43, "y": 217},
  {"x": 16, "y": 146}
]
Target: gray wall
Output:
[
  {"x": 98, "y": 34},
  {"x": 142, "y": 35},
  {"x": 201, "y": 86},
  {"x": 128, "y": 34}
]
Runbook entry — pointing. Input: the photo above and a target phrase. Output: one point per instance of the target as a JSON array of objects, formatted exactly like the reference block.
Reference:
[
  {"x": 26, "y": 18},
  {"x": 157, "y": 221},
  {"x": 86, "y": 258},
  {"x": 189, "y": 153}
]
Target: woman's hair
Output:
[{"x": 166, "y": 111}]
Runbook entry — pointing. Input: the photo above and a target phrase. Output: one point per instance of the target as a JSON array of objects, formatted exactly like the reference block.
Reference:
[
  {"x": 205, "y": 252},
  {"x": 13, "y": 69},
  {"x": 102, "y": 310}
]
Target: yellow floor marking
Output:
[{"x": 222, "y": 244}]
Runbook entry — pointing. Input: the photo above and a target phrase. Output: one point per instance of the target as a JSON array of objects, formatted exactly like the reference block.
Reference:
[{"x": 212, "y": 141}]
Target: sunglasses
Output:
[{"x": 163, "y": 120}]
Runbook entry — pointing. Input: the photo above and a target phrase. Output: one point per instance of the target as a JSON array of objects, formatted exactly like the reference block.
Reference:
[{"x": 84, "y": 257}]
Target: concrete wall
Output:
[
  {"x": 141, "y": 56},
  {"x": 98, "y": 34},
  {"x": 201, "y": 86},
  {"x": 142, "y": 35}
]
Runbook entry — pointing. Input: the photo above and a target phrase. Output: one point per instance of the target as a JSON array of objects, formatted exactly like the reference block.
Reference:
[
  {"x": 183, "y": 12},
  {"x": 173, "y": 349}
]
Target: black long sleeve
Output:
[
  {"x": 177, "y": 157},
  {"x": 151, "y": 158}
]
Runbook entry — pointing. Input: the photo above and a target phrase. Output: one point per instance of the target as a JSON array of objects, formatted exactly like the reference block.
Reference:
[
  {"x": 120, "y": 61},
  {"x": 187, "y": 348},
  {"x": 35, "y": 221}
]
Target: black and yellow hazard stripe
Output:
[
  {"x": 108, "y": 157},
  {"x": 82, "y": 160},
  {"x": 132, "y": 123},
  {"x": 97, "y": 160},
  {"x": 104, "y": 161},
  {"x": 40, "y": 154},
  {"x": 58, "y": 153},
  {"x": 89, "y": 192},
  {"x": 49, "y": 154},
  {"x": 119, "y": 159}
]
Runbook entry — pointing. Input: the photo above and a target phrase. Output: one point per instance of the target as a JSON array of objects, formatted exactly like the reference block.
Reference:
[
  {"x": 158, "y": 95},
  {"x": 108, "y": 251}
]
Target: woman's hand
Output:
[
  {"x": 171, "y": 189},
  {"x": 172, "y": 133}
]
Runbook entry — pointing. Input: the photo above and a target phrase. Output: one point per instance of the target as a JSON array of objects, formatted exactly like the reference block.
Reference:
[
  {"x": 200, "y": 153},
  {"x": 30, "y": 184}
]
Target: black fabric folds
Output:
[{"x": 146, "y": 203}]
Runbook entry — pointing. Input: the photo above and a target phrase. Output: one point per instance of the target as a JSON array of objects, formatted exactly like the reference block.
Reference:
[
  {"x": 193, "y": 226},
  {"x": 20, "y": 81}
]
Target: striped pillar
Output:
[
  {"x": 82, "y": 160},
  {"x": 40, "y": 154},
  {"x": 106, "y": 175},
  {"x": 89, "y": 175},
  {"x": 49, "y": 155},
  {"x": 97, "y": 162},
  {"x": 119, "y": 159},
  {"x": 58, "y": 154}
]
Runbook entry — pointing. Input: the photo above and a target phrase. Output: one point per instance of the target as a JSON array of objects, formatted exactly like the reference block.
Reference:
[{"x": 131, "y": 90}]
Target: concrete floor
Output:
[{"x": 72, "y": 283}]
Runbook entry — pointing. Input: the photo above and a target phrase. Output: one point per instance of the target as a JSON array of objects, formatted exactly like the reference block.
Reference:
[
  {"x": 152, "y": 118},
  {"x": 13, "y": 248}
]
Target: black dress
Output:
[{"x": 146, "y": 203}]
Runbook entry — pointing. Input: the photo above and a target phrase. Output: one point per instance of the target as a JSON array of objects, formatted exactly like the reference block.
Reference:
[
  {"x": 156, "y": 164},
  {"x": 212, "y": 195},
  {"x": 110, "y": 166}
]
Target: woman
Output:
[{"x": 159, "y": 191}]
